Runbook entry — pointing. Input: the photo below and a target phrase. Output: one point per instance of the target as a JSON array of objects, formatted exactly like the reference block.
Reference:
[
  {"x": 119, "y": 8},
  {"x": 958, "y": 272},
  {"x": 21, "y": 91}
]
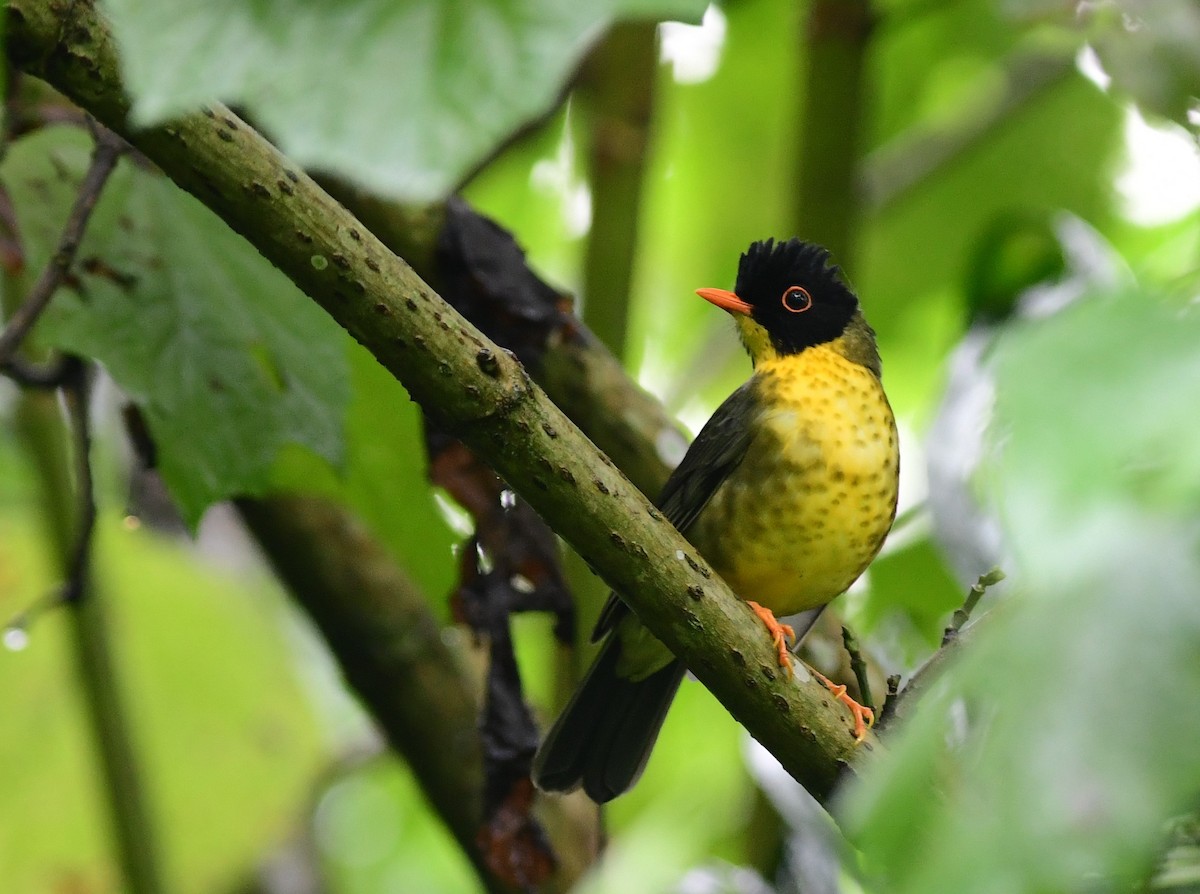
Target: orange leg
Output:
[
  {"x": 781, "y": 634},
  {"x": 863, "y": 716}
]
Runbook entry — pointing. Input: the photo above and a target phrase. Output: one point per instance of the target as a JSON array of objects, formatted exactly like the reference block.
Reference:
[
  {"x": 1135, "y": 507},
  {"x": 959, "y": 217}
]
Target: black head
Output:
[{"x": 795, "y": 294}]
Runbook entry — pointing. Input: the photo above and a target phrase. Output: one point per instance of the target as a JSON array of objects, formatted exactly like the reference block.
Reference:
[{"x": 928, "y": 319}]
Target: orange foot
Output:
[
  {"x": 781, "y": 634},
  {"x": 863, "y": 716}
]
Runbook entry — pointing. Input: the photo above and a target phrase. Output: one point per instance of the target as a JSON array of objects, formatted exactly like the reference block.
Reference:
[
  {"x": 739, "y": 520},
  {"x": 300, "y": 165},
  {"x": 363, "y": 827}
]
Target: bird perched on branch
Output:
[{"x": 788, "y": 491}]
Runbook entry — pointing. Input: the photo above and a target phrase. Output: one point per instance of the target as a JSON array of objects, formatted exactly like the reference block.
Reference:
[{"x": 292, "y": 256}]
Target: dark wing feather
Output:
[{"x": 716, "y": 452}]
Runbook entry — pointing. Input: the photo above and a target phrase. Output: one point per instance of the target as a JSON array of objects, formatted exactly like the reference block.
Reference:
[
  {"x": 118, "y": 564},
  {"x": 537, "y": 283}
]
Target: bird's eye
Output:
[{"x": 796, "y": 299}]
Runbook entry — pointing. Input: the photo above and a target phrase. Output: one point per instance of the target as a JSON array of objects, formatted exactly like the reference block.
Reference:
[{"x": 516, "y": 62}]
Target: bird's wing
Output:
[{"x": 715, "y": 453}]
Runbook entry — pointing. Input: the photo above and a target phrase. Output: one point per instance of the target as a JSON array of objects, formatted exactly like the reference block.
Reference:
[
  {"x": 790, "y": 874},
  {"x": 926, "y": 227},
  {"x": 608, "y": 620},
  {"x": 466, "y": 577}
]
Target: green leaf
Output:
[
  {"x": 1082, "y": 689},
  {"x": 385, "y": 480},
  {"x": 228, "y": 361},
  {"x": 402, "y": 97}
]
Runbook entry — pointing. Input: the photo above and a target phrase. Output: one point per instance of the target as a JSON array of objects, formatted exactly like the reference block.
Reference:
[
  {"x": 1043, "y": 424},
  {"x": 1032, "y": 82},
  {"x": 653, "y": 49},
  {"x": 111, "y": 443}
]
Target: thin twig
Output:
[
  {"x": 75, "y": 394},
  {"x": 889, "y": 702},
  {"x": 952, "y": 641},
  {"x": 56, "y": 447},
  {"x": 47, "y": 376},
  {"x": 896, "y": 169},
  {"x": 23, "y": 116},
  {"x": 960, "y": 617},
  {"x": 68, "y": 373},
  {"x": 859, "y": 666},
  {"x": 29, "y": 119},
  {"x": 109, "y": 148},
  {"x": 16, "y": 631}
]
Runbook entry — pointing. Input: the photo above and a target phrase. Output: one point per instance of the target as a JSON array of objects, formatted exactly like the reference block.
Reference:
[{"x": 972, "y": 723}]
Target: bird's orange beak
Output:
[{"x": 725, "y": 300}]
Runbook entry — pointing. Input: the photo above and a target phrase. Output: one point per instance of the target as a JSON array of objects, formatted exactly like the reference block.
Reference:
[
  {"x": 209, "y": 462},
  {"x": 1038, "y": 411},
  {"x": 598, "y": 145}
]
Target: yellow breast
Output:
[{"x": 808, "y": 508}]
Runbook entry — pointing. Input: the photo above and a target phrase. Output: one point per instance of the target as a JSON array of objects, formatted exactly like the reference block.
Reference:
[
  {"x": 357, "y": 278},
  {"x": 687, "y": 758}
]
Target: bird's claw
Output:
[
  {"x": 781, "y": 634},
  {"x": 864, "y": 717}
]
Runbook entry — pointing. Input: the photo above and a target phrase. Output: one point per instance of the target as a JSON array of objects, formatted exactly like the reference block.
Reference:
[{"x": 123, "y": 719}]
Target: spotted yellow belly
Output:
[{"x": 808, "y": 507}]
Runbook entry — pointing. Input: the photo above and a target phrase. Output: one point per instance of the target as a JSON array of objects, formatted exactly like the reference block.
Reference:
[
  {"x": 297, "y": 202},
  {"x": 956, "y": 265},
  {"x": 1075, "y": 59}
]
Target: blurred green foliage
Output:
[
  {"x": 1079, "y": 692},
  {"x": 1049, "y": 759},
  {"x": 230, "y": 735}
]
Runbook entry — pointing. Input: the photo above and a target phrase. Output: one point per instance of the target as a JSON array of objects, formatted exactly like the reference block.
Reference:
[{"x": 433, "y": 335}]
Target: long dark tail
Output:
[{"x": 603, "y": 738}]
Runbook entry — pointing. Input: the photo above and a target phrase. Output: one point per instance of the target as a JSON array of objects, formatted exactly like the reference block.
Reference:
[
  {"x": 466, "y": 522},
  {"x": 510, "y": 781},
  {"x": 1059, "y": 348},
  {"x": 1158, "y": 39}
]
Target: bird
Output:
[{"x": 788, "y": 491}]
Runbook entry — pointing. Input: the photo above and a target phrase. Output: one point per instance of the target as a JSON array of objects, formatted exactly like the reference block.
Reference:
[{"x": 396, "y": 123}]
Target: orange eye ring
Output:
[{"x": 797, "y": 299}]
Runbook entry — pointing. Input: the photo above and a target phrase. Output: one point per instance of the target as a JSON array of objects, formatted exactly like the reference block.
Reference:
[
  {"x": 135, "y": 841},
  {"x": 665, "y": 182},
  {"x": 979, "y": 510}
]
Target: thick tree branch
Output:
[
  {"x": 472, "y": 387},
  {"x": 577, "y": 371},
  {"x": 387, "y": 643}
]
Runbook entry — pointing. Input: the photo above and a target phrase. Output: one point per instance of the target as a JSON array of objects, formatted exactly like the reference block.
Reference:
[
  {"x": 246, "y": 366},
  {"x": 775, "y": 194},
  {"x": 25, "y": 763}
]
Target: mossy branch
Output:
[
  {"x": 576, "y": 370},
  {"x": 472, "y": 388}
]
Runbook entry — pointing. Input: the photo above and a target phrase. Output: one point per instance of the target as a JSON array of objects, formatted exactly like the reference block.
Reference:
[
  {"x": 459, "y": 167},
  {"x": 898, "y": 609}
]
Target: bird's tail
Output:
[{"x": 603, "y": 738}]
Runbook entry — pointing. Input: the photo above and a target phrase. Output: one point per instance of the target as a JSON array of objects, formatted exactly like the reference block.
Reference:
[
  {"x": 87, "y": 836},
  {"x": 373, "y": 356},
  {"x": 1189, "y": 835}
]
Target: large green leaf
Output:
[
  {"x": 403, "y": 97},
  {"x": 228, "y": 361},
  {"x": 1083, "y": 688}
]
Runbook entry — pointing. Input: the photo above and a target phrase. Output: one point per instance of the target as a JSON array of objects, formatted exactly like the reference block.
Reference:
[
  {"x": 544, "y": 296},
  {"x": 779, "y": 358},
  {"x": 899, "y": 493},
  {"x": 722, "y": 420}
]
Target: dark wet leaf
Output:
[{"x": 484, "y": 276}]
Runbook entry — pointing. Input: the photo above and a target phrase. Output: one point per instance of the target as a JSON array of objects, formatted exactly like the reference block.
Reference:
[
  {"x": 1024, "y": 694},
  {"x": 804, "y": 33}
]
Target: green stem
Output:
[
  {"x": 45, "y": 440},
  {"x": 900, "y": 704},
  {"x": 963, "y": 614},
  {"x": 831, "y": 123},
  {"x": 859, "y": 667},
  {"x": 617, "y": 92}
]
